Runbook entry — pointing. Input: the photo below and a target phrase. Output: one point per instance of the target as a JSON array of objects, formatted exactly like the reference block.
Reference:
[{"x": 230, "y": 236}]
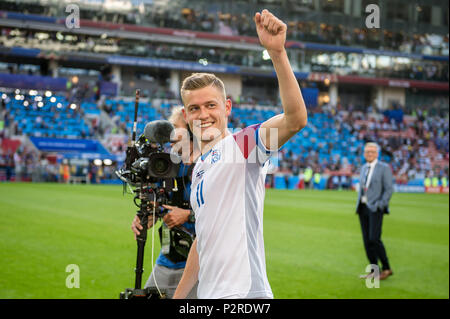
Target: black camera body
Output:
[
  {"x": 146, "y": 162},
  {"x": 155, "y": 175}
]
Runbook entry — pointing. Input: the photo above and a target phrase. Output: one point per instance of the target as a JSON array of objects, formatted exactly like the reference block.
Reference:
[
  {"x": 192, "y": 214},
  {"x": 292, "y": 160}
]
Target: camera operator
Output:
[{"x": 166, "y": 272}]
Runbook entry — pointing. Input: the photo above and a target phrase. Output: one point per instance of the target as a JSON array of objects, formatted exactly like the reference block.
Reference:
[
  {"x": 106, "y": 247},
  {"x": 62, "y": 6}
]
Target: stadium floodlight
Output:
[
  {"x": 40, "y": 104},
  {"x": 98, "y": 162},
  {"x": 38, "y": 98},
  {"x": 59, "y": 105},
  {"x": 53, "y": 99},
  {"x": 26, "y": 103},
  {"x": 48, "y": 93},
  {"x": 107, "y": 162},
  {"x": 4, "y": 96},
  {"x": 203, "y": 61},
  {"x": 32, "y": 92},
  {"x": 265, "y": 55},
  {"x": 17, "y": 91},
  {"x": 73, "y": 106},
  {"x": 17, "y": 97},
  {"x": 383, "y": 61}
]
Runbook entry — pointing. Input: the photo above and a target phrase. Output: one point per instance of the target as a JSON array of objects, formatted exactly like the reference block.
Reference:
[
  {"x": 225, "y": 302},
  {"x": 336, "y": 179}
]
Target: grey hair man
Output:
[{"x": 374, "y": 194}]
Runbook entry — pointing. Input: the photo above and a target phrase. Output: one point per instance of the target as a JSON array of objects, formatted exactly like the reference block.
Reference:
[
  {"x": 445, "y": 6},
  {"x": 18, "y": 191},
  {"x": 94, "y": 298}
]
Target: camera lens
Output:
[{"x": 160, "y": 166}]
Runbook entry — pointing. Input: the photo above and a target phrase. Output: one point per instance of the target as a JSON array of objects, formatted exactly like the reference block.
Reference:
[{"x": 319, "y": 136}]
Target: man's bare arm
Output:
[
  {"x": 190, "y": 274},
  {"x": 272, "y": 35}
]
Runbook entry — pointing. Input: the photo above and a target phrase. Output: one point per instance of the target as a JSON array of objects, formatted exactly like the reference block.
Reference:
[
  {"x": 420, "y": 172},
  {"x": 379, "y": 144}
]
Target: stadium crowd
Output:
[
  {"x": 409, "y": 154},
  {"x": 415, "y": 70},
  {"x": 308, "y": 31},
  {"x": 236, "y": 22},
  {"x": 415, "y": 144},
  {"x": 28, "y": 164}
]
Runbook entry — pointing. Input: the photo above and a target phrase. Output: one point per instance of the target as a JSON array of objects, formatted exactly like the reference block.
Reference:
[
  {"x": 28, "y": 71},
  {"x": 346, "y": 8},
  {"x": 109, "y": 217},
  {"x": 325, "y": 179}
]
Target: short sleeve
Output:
[{"x": 250, "y": 143}]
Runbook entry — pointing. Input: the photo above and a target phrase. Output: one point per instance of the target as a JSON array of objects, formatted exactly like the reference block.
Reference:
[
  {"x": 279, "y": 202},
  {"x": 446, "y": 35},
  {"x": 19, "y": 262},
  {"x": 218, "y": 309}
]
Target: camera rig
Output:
[{"x": 154, "y": 175}]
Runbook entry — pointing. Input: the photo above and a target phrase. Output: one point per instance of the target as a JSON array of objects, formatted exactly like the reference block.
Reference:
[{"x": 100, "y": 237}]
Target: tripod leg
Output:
[{"x": 141, "y": 239}]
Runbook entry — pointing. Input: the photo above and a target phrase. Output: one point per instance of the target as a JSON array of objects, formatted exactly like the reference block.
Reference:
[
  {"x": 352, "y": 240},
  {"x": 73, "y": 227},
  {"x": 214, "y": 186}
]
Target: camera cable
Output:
[{"x": 153, "y": 241}]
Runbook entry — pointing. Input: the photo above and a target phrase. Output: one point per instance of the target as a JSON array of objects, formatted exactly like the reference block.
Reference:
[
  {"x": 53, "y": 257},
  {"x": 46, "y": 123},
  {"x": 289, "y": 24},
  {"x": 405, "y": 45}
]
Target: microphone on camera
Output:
[{"x": 158, "y": 131}]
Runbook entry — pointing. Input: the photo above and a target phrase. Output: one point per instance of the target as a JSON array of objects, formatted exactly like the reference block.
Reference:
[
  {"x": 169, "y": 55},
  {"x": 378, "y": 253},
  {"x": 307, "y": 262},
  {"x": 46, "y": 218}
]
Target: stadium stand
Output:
[
  {"x": 359, "y": 84},
  {"x": 331, "y": 143},
  {"x": 234, "y": 20}
]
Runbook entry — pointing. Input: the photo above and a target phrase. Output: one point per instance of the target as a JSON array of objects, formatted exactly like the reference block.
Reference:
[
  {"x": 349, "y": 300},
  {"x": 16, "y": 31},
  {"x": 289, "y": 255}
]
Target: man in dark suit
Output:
[{"x": 374, "y": 194}]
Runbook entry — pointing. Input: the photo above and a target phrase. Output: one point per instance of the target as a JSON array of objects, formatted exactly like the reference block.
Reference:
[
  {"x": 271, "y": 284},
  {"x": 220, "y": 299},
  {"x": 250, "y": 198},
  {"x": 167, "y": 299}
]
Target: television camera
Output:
[{"x": 157, "y": 178}]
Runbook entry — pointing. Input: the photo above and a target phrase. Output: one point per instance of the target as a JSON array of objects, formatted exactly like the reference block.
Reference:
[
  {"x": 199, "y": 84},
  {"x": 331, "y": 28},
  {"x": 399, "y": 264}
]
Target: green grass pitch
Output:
[{"x": 312, "y": 239}]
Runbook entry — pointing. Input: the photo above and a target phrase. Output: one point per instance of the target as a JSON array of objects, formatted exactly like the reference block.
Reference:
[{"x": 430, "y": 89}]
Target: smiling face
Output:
[{"x": 206, "y": 111}]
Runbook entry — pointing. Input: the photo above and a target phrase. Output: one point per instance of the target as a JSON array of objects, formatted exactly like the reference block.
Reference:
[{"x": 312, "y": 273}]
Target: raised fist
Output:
[{"x": 271, "y": 31}]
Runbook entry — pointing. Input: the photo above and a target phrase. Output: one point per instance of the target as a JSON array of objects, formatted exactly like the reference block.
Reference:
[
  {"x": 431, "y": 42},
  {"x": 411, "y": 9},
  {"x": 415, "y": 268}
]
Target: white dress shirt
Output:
[{"x": 371, "y": 167}]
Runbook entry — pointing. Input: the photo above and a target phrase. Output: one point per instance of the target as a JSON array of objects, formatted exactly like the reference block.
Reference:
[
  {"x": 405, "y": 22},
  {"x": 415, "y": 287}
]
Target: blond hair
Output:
[
  {"x": 200, "y": 80},
  {"x": 176, "y": 114}
]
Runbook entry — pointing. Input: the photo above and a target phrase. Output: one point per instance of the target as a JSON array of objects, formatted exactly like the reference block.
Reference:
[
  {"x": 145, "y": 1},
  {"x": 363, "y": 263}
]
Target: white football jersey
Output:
[{"x": 227, "y": 196}]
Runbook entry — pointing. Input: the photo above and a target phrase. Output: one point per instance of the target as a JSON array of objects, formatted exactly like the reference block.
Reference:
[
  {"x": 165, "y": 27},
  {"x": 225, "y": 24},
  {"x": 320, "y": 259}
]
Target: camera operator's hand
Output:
[
  {"x": 136, "y": 225},
  {"x": 176, "y": 216}
]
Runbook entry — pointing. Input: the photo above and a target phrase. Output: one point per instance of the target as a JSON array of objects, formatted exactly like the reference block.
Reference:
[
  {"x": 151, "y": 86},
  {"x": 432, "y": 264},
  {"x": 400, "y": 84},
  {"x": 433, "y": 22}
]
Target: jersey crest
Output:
[{"x": 215, "y": 156}]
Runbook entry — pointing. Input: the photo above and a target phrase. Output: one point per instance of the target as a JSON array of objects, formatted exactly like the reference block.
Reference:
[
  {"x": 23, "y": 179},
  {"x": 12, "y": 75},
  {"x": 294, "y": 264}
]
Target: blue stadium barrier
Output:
[
  {"x": 323, "y": 183},
  {"x": 35, "y": 82},
  {"x": 279, "y": 182},
  {"x": 24, "y": 52},
  {"x": 28, "y": 17},
  {"x": 111, "y": 181},
  {"x": 416, "y": 182},
  {"x": 72, "y": 148},
  {"x": 293, "y": 182}
]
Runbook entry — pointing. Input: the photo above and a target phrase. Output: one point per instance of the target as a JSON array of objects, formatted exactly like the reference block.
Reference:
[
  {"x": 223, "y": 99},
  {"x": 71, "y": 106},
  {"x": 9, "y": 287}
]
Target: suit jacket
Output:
[{"x": 380, "y": 188}]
